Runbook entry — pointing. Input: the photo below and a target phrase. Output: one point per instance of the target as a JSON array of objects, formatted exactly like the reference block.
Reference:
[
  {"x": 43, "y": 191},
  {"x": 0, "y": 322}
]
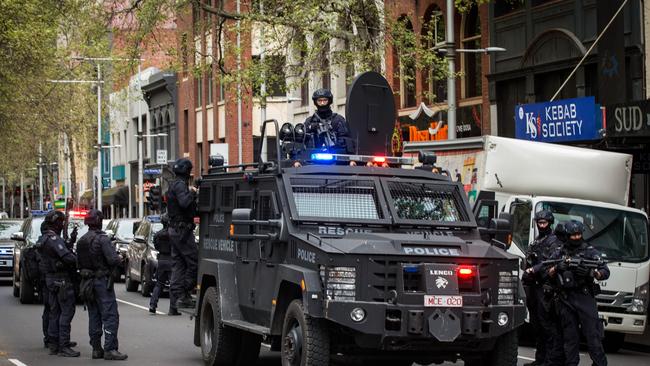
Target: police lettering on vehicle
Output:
[
  {"x": 337, "y": 230},
  {"x": 306, "y": 255},
  {"x": 222, "y": 245},
  {"x": 449, "y": 252},
  {"x": 431, "y": 233}
]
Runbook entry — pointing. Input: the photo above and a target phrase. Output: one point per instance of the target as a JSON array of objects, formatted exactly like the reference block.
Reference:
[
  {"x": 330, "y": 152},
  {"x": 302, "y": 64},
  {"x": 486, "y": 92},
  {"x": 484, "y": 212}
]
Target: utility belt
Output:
[
  {"x": 89, "y": 273},
  {"x": 181, "y": 225},
  {"x": 58, "y": 274}
]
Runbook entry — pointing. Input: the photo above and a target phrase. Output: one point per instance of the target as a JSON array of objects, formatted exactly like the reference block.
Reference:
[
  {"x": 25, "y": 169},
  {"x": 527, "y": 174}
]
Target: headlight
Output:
[
  {"x": 339, "y": 283},
  {"x": 508, "y": 285},
  {"x": 640, "y": 300}
]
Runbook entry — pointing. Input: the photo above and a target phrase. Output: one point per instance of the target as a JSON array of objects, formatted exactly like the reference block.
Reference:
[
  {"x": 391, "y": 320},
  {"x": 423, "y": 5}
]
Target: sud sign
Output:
[{"x": 576, "y": 119}]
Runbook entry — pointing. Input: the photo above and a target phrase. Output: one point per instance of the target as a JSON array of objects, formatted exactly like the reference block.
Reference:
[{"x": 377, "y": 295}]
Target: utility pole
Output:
[
  {"x": 140, "y": 149},
  {"x": 99, "y": 138},
  {"x": 451, "y": 82},
  {"x": 40, "y": 175},
  {"x": 239, "y": 104}
]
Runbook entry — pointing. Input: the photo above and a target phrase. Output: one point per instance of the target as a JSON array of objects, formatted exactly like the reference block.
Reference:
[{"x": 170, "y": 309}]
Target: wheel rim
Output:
[
  {"x": 208, "y": 329},
  {"x": 292, "y": 347}
]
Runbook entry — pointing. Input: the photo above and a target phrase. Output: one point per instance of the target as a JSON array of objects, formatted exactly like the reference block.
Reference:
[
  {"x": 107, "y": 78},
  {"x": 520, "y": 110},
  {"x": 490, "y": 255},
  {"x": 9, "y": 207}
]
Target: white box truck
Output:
[{"x": 522, "y": 177}]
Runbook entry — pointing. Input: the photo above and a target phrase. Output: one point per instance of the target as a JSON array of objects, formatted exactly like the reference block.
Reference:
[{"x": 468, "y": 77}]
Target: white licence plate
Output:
[{"x": 447, "y": 301}]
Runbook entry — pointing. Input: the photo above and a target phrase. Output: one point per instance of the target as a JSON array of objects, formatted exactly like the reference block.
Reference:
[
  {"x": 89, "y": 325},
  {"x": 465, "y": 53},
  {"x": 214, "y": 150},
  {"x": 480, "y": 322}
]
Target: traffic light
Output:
[{"x": 154, "y": 198}]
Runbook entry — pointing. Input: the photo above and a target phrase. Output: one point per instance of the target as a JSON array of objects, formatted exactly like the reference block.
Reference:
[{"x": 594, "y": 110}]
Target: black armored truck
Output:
[{"x": 350, "y": 258}]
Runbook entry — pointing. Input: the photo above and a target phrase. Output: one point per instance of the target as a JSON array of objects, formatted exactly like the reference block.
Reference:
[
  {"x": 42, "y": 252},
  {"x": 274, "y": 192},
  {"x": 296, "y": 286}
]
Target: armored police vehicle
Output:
[{"x": 351, "y": 259}]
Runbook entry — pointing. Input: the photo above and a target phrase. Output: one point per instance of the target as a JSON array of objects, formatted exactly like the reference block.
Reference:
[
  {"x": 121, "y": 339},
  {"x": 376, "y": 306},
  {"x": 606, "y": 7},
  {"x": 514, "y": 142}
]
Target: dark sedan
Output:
[
  {"x": 7, "y": 228},
  {"x": 142, "y": 258},
  {"x": 26, "y": 288},
  {"x": 121, "y": 232}
]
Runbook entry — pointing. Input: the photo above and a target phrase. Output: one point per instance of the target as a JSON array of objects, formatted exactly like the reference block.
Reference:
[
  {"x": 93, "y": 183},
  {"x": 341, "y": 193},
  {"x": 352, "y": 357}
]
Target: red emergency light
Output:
[
  {"x": 78, "y": 214},
  {"x": 465, "y": 271}
]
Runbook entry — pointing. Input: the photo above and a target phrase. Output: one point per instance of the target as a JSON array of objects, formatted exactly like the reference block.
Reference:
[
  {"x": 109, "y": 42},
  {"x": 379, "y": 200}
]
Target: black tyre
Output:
[
  {"x": 147, "y": 284},
  {"x": 26, "y": 295},
  {"x": 613, "y": 341},
  {"x": 131, "y": 286},
  {"x": 218, "y": 341},
  {"x": 15, "y": 286},
  {"x": 305, "y": 340}
]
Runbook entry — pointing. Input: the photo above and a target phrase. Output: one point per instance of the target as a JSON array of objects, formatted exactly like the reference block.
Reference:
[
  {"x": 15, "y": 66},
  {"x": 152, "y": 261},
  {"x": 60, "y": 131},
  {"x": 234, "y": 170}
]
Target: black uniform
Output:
[
  {"x": 57, "y": 261},
  {"x": 577, "y": 304},
  {"x": 42, "y": 289},
  {"x": 319, "y": 122},
  {"x": 181, "y": 208},
  {"x": 162, "y": 243},
  {"x": 97, "y": 259},
  {"x": 540, "y": 299}
]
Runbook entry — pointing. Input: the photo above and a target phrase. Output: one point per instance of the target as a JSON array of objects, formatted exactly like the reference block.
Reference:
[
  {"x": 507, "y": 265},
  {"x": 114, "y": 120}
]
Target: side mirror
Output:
[
  {"x": 501, "y": 229},
  {"x": 240, "y": 228},
  {"x": 110, "y": 234},
  {"x": 139, "y": 239},
  {"x": 18, "y": 236}
]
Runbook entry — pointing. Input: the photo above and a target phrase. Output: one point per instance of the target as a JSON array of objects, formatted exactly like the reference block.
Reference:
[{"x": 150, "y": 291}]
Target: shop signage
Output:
[
  {"x": 629, "y": 119},
  {"x": 577, "y": 119}
]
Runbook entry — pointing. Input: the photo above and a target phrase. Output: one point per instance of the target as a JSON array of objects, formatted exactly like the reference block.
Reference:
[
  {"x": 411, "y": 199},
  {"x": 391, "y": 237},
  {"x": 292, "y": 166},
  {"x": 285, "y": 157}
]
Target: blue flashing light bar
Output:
[
  {"x": 411, "y": 269},
  {"x": 39, "y": 213},
  {"x": 322, "y": 156}
]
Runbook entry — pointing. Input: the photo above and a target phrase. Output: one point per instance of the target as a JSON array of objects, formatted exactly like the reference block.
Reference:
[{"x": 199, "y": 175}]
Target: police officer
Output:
[
  {"x": 324, "y": 116},
  {"x": 540, "y": 293},
  {"x": 577, "y": 303},
  {"x": 181, "y": 208},
  {"x": 97, "y": 258},
  {"x": 58, "y": 260},
  {"x": 162, "y": 243}
]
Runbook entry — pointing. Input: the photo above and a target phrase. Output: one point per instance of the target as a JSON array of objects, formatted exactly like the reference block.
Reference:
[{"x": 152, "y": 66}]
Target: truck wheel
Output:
[
  {"x": 131, "y": 286},
  {"x": 613, "y": 341},
  {"x": 26, "y": 295},
  {"x": 146, "y": 283},
  {"x": 218, "y": 341},
  {"x": 505, "y": 350},
  {"x": 305, "y": 340}
]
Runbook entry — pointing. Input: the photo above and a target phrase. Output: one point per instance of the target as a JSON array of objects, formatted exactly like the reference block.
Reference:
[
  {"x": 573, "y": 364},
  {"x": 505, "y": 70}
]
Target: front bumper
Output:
[
  {"x": 388, "y": 322},
  {"x": 624, "y": 323}
]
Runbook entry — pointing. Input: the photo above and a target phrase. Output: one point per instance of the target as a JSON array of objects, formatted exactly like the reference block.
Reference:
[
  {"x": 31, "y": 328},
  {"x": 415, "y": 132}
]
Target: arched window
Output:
[
  {"x": 407, "y": 71},
  {"x": 471, "y": 39},
  {"x": 433, "y": 33}
]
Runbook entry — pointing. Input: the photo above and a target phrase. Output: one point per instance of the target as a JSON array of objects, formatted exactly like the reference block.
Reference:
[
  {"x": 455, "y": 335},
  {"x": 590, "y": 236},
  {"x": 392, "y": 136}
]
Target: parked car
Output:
[
  {"x": 7, "y": 227},
  {"x": 121, "y": 232},
  {"x": 142, "y": 258},
  {"x": 25, "y": 288}
]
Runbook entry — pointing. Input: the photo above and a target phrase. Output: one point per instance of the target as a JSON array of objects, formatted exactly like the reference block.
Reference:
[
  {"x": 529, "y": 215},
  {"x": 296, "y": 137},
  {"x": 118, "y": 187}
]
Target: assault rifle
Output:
[{"x": 573, "y": 263}]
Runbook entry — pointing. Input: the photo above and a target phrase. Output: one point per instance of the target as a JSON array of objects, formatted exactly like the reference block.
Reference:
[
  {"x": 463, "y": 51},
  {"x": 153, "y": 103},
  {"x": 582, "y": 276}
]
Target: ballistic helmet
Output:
[
  {"x": 94, "y": 219},
  {"x": 545, "y": 215},
  {"x": 322, "y": 93},
  {"x": 55, "y": 220},
  {"x": 183, "y": 167},
  {"x": 574, "y": 227}
]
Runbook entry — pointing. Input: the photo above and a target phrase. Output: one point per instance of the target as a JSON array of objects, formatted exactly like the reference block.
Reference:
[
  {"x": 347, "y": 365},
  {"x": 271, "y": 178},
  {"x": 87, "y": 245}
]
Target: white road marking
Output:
[
  {"x": 138, "y": 306},
  {"x": 526, "y": 358},
  {"x": 16, "y": 362}
]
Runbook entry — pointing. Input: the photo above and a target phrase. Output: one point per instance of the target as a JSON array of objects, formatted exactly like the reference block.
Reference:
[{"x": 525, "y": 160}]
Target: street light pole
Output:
[
  {"x": 140, "y": 150},
  {"x": 99, "y": 138},
  {"x": 451, "y": 82},
  {"x": 40, "y": 175}
]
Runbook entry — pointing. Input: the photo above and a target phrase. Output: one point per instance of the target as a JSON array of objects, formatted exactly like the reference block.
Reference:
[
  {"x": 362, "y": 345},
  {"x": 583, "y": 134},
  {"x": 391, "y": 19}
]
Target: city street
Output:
[{"x": 149, "y": 339}]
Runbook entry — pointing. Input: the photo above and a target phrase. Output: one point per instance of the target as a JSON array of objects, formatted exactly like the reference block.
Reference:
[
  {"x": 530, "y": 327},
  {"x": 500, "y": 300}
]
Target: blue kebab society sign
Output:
[{"x": 578, "y": 119}]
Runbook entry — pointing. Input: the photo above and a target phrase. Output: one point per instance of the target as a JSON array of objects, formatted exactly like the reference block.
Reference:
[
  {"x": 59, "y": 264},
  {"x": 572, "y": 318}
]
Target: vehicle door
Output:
[
  {"x": 521, "y": 211},
  {"x": 247, "y": 256},
  {"x": 19, "y": 245},
  {"x": 138, "y": 247}
]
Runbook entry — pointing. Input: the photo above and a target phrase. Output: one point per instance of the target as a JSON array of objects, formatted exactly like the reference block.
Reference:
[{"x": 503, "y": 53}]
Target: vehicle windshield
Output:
[
  {"x": 419, "y": 201},
  {"x": 7, "y": 228},
  {"x": 619, "y": 235},
  {"x": 125, "y": 230},
  {"x": 336, "y": 198}
]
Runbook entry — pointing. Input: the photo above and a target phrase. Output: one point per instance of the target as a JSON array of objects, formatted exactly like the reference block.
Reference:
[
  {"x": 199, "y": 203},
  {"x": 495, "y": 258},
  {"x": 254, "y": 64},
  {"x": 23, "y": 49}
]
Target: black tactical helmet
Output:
[
  {"x": 54, "y": 220},
  {"x": 545, "y": 215},
  {"x": 573, "y": 227},
  {"x": 183, "y": 167},
  {"x": 94, "y": 219},
  {"x": 560, "y": 232},
  {"x": 323, "y": 93}
]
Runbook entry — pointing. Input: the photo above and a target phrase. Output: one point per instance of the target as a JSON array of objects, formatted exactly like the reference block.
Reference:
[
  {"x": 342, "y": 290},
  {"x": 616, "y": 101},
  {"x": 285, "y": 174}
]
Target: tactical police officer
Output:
[
  {"x": 540, "y": 293},
  {"x": 181, "y": 208},
  {"x": 58, "y": 260},
  {"x": 318, "y": 124},
  {"x": 579, "y": 265},
  {"x": 162, "y": 243},
  {"x": 97, "y": 258}
]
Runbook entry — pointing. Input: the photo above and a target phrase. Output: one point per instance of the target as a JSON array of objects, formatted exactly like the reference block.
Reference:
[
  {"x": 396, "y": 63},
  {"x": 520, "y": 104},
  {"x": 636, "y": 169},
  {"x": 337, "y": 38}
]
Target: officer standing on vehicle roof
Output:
[
  {"x": 323, "y": 100},
  {"x": 577, "y": 303},
  {"x": 58, "y": 261},
  {"x": 540, "y": 293},
  {"x": 97, "y": 258},
  {"x": 181, "y": 208},
  {"x": 162, "y": 243}
]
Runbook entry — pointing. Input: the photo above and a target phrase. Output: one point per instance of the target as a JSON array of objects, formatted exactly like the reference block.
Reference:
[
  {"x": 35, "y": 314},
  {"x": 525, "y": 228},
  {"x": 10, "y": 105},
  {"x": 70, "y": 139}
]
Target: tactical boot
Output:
[
  {"x": 72, "y": 344},
  {"x": 68, "y": 352},
  {"x": 54, "y": 350},
  {"x": 173, "y": 312},
  {"x": 98, "y": 353},
  {"x": 114, "y": 355},
  {"x": 152, "y": 310}
]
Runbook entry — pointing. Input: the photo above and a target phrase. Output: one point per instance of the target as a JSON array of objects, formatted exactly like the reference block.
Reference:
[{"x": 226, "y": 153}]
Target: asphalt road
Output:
[{"x": 149, "y": 339}]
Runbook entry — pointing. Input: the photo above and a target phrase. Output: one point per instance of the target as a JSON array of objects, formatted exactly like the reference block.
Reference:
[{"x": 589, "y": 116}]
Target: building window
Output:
[
  {"x": 433, "y": 31},
  {"x": 273, "y": 74},
  {"x": 210, "y": 82},
  {"x": 325, "y": 65},
  {"x": 198, "y": 91},
  {"x": 407, "y": 69},
  {"x": 507, "y": 7},
  {"x": 199, "y": 154},
  {"x": 186, "y": 131},
  {"x": 471, "y": 39}
]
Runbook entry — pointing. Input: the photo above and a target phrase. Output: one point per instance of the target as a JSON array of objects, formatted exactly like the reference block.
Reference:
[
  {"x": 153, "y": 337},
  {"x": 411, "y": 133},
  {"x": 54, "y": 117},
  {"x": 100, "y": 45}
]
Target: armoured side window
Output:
[
  {"x": 268, "y": 208},
  {"x": 521, "y": 223},
  {"x": 244, "y": 199},
  {"x": 227, "y": 198}
]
